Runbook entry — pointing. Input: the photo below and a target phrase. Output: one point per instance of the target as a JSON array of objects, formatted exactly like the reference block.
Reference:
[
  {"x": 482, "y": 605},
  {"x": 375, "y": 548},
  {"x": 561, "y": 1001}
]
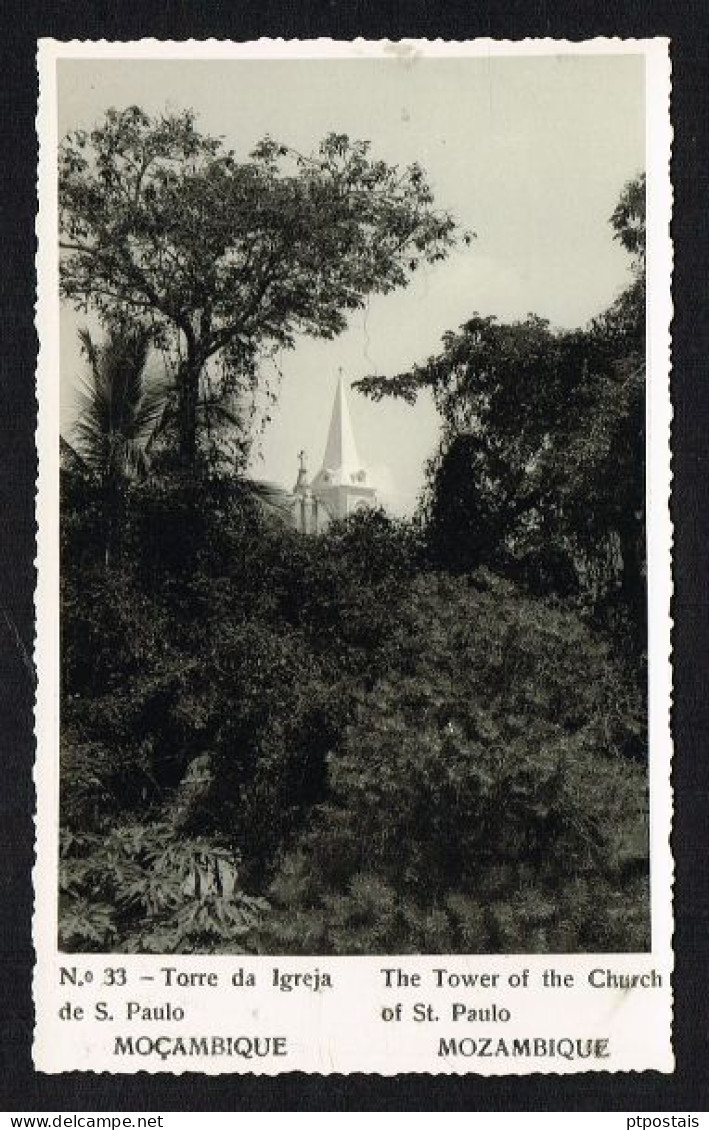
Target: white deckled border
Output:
[{"x": 70, "y": 1048}]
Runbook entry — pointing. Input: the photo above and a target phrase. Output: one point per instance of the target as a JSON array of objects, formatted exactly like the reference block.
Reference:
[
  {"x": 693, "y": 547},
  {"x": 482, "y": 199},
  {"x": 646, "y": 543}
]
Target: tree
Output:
[
  {"x": 227, "y": 259},
  {"x": 121, "y": 413},
  {"x": 122, "y": 434},
  {"x": 540, "y": 469},
  {"x": 628, "y": 219}
]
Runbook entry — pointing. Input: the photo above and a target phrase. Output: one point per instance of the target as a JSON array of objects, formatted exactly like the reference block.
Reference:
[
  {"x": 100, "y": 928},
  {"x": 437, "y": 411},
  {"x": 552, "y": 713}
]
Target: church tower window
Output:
[{"x": 341, "y": 486}]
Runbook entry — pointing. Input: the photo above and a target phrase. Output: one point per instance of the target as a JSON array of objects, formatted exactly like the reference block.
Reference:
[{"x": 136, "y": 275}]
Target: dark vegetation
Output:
[{"x": 397, "y": 736}]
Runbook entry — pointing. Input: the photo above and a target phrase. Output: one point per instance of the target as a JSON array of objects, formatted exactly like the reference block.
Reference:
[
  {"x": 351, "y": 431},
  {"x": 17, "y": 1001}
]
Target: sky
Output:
[{"x": 530, "y": 153}]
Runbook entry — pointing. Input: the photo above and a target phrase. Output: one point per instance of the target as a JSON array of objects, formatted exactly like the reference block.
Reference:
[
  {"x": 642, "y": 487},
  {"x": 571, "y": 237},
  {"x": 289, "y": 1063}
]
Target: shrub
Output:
[{"x": 141, "y": 888}]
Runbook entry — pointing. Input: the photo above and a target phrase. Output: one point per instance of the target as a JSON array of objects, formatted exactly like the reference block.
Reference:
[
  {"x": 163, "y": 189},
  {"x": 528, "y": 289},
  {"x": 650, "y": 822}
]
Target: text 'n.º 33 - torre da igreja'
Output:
[{"x": 342, "y": 485}]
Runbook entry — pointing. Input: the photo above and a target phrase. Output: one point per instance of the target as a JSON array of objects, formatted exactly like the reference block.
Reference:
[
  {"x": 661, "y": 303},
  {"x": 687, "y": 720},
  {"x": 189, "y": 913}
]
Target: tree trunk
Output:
[{"x": 112, "y": 514}]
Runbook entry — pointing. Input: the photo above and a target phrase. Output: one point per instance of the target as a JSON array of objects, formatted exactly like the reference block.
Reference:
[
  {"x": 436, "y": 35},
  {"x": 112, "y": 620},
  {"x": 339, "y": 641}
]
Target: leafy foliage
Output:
[
  {"x": 395, "y": 736},
  {"x": 151, "y": 893}
]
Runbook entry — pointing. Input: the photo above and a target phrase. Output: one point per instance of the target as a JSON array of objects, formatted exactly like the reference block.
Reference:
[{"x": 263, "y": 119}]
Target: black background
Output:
[{"x": 21, "y": 1088}]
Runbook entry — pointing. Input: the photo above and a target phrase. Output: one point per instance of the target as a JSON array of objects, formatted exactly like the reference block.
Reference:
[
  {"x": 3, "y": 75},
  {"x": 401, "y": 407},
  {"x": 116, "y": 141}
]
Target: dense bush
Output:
[
  {"x": 479, "y": 797},
  {"x": 142, "y": 889},
  {"x": 272, "y": 742},
  {"x": 540, "y": 470},
  {"x": 394, "y": 736}
]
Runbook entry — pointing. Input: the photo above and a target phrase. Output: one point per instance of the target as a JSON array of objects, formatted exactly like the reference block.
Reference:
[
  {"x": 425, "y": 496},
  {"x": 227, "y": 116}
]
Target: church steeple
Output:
[{"x": 301, "y": 486}]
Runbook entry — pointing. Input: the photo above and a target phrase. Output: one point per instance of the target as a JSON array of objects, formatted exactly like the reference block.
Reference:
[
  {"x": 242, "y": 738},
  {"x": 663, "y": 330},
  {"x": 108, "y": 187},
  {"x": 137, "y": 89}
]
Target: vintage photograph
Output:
[{"x": 353, "y": 633}]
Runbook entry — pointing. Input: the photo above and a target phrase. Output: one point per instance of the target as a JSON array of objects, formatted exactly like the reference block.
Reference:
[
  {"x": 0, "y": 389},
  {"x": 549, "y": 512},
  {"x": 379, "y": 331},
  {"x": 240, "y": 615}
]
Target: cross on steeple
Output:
[
  {"x": 301, "y": 485},
  {"x": 341, "y": 486}
]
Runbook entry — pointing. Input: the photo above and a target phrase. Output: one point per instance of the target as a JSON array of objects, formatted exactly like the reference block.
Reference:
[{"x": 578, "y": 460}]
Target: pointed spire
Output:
[{"x": 341, "y": 457}]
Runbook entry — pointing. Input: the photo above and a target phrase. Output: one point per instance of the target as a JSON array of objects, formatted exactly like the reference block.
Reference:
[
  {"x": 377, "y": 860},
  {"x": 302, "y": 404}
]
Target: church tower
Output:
[{"x": 341, "y": 486}]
